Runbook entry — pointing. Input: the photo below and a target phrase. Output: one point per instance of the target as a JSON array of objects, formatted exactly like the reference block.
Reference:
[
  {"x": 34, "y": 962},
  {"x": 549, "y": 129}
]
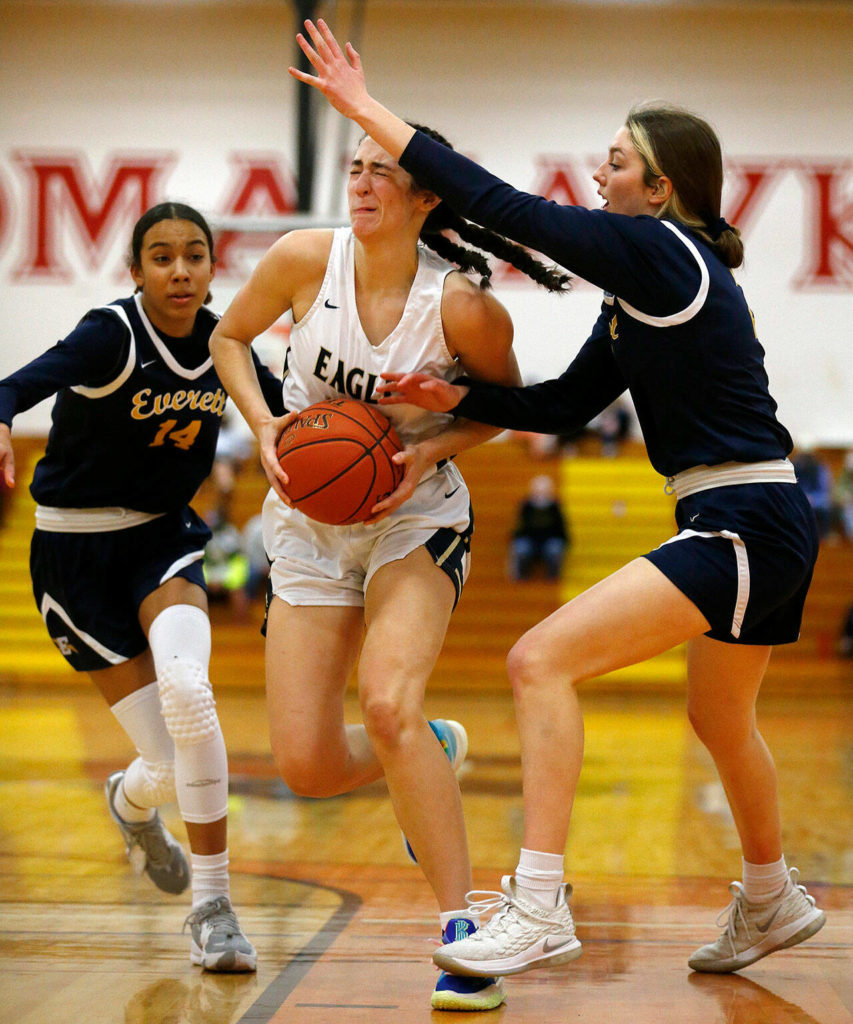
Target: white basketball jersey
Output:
[{"x": 330, "y": 355}]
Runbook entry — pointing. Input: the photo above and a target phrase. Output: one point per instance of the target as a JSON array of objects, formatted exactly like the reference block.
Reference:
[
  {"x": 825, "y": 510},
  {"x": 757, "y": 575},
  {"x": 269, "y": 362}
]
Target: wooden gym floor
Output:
[{"x": 344, "y": 925}]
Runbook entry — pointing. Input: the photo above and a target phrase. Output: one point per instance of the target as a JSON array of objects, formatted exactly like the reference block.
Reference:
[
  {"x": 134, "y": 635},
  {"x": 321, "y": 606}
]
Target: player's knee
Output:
[
  {"x": 526, "y": 665},
  {"x": 304, "y": 775},
  {"x": 386, "y": 718},
  {"x": 717, "y": 731},
  {"x": 186, "y": 699}
]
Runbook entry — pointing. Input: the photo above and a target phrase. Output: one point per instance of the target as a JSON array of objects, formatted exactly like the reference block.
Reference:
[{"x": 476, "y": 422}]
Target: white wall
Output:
[{"x": 194, "y": 86}]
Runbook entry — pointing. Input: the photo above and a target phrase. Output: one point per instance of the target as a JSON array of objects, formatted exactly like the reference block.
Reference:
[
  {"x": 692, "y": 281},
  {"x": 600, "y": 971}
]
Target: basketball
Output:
[{"x": 337, "y": 456}]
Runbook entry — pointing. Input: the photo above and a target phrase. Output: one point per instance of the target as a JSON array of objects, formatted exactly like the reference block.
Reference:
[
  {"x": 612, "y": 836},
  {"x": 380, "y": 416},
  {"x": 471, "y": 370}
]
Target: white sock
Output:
[
  {"x": 210, "y": 876},
  {"x": 539, "y": 876},
  {"x": 761, "y": 882},
  {"x": 128, "y": 811},
  {"x": 139, "y": 715}
]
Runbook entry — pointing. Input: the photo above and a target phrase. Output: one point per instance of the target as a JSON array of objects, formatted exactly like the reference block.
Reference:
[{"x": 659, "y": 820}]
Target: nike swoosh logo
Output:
[
  {"x": 150, "y": 361},
  {"x": 766, "y": 926},
  {"x": 330, "y": 305},
  {"x": 548, "y": 946},
  {"x": 203, "y": 782},
  {"x": 694, "y": 518},
  {"x": 451, "y": 493}
]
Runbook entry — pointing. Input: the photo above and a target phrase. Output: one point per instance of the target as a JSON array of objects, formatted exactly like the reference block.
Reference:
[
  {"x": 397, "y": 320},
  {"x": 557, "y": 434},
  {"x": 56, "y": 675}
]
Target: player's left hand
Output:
[
  {"x": 422, "y": 389},
  {"x": 340, "y": 77},
  {"x": 415, "y": 463}
]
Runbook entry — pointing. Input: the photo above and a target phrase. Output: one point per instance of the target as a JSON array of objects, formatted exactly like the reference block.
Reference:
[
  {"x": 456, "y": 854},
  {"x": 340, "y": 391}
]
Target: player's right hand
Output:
[{"x": 268, "y": 434}]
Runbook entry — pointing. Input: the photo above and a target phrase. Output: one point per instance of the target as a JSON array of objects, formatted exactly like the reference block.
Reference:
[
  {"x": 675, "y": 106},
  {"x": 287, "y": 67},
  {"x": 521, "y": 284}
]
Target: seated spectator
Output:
[
  {"x": 541, "y": 535},
  {"x": 816, "y": 480}
]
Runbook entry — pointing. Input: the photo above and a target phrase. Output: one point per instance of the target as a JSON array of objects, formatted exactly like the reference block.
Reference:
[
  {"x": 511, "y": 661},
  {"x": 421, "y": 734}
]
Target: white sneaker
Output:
[
  {"x": 218, "y": 942},
  {"x": 753, "y": 930},
  {"x": 520, "y": 935}
]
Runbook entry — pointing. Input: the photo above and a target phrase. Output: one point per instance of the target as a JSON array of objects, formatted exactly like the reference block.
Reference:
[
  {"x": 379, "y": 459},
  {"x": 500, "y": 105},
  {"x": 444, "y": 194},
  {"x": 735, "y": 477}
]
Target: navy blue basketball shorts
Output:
[
  {"x": 89, "y": 586},
  {"x": 744, "y": 555}
]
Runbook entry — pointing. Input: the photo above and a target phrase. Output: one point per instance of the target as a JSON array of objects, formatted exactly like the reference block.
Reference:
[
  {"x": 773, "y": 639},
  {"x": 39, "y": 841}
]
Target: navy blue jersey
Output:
[
  {"x": 137, "y": 413},
  {"x": 674, "y": 329}
]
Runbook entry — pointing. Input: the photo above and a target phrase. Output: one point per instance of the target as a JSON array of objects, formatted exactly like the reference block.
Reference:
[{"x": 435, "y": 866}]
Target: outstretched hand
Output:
[
  {"x": 421, "y": 389},
  {"x": 339, "y": 77}
]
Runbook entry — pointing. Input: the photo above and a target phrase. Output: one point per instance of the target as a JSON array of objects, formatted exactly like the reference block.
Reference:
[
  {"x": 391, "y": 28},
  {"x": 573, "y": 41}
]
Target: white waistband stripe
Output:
[
  {"x": 89, "y": 520},
  {"x": 728, "y": 474}
]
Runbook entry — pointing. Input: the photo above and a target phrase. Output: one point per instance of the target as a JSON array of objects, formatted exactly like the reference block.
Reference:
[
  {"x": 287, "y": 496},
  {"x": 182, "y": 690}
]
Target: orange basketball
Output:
[{"x": 337, "y": 456}]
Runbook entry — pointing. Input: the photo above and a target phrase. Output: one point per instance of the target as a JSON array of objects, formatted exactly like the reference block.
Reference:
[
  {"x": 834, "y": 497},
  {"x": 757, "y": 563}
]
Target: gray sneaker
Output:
[
  {"x": 218, "y": 942},
  {"x": 150, "y": 846},
  {"x": 752, "y": 930}
]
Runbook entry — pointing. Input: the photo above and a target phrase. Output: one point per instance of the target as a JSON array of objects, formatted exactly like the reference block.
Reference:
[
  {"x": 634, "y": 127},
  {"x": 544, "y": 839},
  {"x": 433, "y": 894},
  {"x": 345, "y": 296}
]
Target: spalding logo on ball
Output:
[{"x": 338, "y": 458}]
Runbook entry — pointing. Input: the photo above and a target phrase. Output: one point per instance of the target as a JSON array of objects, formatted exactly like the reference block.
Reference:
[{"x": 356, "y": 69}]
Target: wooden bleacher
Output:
[{"x": 616, "y": 509}]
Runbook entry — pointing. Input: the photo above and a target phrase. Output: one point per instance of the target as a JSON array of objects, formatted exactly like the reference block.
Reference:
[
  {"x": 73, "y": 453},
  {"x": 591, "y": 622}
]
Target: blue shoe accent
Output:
[
  {"x": 454, "y": 992},
  {"x": 457, "y": 928},
  {"x": 444, "y": 735},
  {"x": 454, "y": 742}
]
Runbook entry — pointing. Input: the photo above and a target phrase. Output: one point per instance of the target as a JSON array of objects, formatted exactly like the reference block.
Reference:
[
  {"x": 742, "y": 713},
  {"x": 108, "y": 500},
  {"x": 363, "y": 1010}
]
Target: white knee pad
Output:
[
  {"x": 180, "y": 643},
  {"x": 150, "y": 784},
  {"x": 186, "y": 699}
]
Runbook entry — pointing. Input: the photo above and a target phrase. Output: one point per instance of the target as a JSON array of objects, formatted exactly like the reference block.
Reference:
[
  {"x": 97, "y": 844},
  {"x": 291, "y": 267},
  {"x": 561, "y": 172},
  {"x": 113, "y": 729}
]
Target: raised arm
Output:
[{"x": 340, "y": 78}]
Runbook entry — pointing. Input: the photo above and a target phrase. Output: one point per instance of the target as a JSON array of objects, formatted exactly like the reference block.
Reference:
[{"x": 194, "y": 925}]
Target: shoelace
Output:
[
  {"x": 480, "y": 905},
  {"x": 735, "y": 909},
  {"x": 501, "y": 902},
  {"x": 226, "y": 919},
  {"x": 728, "y": 918}
]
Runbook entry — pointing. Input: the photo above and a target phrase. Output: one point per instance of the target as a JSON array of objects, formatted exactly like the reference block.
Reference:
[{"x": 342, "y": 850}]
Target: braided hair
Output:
[{"x": 442, "y": 219}]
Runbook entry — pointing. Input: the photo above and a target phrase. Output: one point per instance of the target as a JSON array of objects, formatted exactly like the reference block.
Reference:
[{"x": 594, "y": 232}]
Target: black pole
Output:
[{"x": 306, "y": 136}]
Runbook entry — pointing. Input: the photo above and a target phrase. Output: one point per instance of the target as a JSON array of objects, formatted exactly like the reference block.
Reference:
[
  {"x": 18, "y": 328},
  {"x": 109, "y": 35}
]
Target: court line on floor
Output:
[{"x": 270, "y": 1001}]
